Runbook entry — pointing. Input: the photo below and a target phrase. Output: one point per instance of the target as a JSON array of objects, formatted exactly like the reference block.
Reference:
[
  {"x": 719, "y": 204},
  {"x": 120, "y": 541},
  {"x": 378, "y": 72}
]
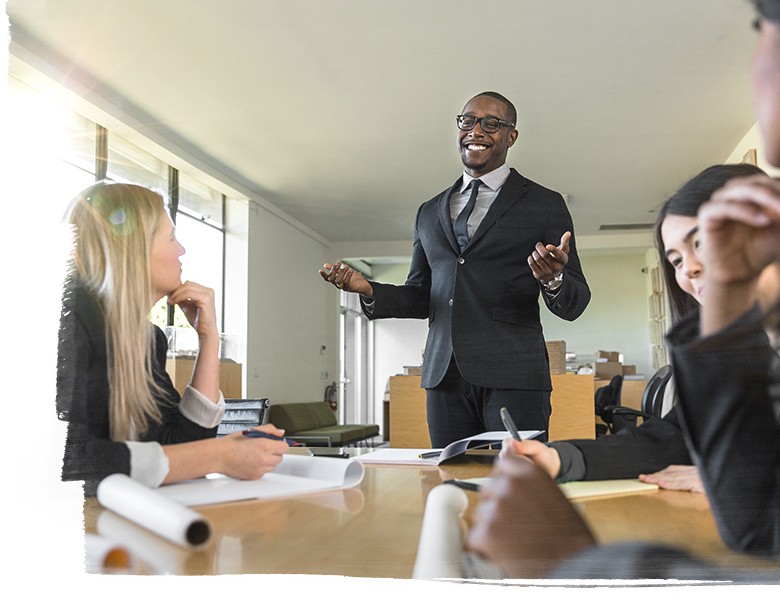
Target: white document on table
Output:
[{"x": 295, "y": 475}]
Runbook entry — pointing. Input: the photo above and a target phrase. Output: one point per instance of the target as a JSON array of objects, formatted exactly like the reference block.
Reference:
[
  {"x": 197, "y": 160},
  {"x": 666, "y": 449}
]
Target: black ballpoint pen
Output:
[
  {"x": 509, "y": 423},
  {"x": 262, "y": 434},
  {"x": 430, "y": 454},
  {"x": 466, "y": 485},
  {"x": 512, "y": 428}
]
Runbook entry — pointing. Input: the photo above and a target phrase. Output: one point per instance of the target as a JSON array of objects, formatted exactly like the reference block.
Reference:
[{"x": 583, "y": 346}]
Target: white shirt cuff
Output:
[
  {"x": 368, "y": 304},
  {"x": 201, "y": 410},
  {"x": 148, "y": 463}
]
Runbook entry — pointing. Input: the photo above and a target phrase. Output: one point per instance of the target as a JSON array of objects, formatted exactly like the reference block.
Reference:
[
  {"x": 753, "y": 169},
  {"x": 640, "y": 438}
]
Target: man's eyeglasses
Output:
[{"x": 488, "y": 124}]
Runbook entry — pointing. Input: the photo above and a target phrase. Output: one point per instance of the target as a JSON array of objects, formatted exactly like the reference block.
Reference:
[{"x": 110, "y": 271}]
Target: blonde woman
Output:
[{"x": 123, "y": 413}]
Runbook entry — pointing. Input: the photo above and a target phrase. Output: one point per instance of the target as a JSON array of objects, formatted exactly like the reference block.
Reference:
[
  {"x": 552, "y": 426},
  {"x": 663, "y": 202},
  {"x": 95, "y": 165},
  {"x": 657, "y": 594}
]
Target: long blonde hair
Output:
[{"x": 114, "y": 225}]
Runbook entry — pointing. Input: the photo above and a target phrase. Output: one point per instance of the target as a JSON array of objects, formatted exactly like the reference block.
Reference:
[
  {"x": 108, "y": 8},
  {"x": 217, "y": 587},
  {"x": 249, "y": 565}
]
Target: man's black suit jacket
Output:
[{"x": 483, "y": 304}]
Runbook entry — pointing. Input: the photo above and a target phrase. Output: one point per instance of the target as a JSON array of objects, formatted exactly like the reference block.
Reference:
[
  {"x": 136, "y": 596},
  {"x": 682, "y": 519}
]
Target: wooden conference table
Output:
[{"x": 373, "y": 530}]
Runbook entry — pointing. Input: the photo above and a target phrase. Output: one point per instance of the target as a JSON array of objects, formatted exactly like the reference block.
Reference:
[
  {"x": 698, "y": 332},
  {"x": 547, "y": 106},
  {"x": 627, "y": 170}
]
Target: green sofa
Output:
[{"x": 315, "y": 424}]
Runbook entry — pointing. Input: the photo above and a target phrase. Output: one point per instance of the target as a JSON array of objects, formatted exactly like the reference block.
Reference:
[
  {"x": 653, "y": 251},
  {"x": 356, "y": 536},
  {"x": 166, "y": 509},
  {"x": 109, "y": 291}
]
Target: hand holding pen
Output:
[
  {"x": 256, "y": 433},
  {"x": 250, "y": 454},
  {"x": 537, "y": 452}
]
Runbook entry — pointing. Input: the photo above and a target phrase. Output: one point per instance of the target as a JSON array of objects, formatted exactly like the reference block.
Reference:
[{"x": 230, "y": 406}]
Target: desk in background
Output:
[
  {"x": 573, "y": 415},
  {"x": 180, "y": 371}
]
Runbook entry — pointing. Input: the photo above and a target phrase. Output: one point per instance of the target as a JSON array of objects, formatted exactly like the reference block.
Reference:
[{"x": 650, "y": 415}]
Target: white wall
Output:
[
  {"x": 291, "y": 313},
  {"x": 616, "y": 318},
  {"x": 236, "y": 284},
  {"x": 398, "y": 343}
]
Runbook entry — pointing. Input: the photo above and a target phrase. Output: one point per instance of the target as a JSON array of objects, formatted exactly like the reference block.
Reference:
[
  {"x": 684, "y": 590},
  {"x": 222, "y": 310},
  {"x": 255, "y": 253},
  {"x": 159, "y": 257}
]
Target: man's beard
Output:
[{"x": 471, "y": 163}]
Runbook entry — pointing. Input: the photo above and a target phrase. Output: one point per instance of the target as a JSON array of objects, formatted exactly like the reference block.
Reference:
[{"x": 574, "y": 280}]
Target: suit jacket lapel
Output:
[
  {"x": 514, "y": 188},
  {"x": 444, "y": 215}
]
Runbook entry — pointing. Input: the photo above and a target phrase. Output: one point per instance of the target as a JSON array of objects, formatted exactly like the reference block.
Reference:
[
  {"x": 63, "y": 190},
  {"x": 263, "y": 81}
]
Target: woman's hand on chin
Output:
[{"x": 197, "y": 304}]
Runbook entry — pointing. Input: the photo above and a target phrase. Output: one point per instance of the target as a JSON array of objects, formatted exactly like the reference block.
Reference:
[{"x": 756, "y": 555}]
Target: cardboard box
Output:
[
  {"x": 629, "y": 369},
  {"x": 556, "y": 351},
  {"x": 610, "y": 356},
  {"x": 608, "y": 369}
]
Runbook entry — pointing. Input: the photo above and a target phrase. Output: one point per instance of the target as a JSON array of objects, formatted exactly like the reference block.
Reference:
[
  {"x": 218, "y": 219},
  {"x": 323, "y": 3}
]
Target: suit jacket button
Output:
[
  {"x": 450, "y": 302},
  {"x": 461, "y": 260}
]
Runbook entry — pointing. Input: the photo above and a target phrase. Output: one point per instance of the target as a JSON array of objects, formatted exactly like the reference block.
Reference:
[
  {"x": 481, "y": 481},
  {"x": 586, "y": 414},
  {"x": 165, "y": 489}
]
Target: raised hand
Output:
[
  {"x": 740, "y": 229},
  {"x": 346, "y": 278},
  {"x": 548, "y": 261}
]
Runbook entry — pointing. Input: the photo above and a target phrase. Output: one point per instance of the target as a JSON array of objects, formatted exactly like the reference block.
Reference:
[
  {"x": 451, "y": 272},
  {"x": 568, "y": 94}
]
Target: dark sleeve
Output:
[
  {"x": 648, "y": 560},
  {"x": 408, "y": 301},
  {"x": 572, "y": 462},
  {"x": 82, "y": 398},
  {"x": 573, "y": 296},
  {"x": 654, "y": 445},
  {"x": 728, "y": 389}
]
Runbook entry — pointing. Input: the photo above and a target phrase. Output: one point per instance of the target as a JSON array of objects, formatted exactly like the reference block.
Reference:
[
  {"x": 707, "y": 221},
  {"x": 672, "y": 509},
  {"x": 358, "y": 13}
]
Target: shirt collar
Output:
[{"x": 494, "y": 180}]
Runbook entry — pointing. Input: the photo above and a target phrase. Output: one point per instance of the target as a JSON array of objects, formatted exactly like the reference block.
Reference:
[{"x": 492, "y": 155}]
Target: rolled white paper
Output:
[
  {"x": 147, "y": 550},
  {"x": 101, "y": 553},
  {"x": 155, "y": 512},
  {"x": 440, "y": 550}
]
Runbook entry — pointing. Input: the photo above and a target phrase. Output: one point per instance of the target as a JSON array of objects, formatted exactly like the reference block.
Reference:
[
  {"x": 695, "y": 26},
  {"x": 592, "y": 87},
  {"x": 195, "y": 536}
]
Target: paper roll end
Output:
[{"x": 198, "y": 533}]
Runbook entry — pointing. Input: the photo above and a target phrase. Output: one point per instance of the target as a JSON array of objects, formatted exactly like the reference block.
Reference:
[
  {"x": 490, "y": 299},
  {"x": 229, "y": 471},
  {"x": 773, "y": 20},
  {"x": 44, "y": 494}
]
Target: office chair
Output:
[
  {"x": 606, "y": 399},
  {"x": 653, "y": 398},
  {"x": 651, "y": 405}
]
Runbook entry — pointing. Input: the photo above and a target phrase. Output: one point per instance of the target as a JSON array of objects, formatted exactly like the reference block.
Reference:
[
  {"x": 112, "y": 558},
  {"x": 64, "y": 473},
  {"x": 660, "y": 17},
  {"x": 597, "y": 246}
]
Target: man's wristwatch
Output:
[{"x": 554, "y": 283}]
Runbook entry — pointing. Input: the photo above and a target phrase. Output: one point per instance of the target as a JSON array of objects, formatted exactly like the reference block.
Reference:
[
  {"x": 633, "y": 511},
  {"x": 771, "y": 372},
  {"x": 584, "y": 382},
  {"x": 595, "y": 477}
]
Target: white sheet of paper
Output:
[{"x": 293, "y": 476}]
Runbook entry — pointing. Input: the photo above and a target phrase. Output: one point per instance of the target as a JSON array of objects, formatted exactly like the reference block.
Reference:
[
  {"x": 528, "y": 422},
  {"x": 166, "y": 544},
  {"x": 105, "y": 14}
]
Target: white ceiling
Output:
[{"x": 342, "y": 112}]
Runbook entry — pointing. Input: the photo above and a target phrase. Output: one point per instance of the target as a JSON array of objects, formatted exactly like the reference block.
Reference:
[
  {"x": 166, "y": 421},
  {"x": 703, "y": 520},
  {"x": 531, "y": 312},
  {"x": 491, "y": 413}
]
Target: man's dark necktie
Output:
[{"x": 461, "y": 223}]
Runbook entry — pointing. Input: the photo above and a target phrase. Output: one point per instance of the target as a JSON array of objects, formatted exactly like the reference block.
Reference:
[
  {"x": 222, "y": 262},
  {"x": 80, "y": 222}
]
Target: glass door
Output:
[{"x": 355, "y": 363}]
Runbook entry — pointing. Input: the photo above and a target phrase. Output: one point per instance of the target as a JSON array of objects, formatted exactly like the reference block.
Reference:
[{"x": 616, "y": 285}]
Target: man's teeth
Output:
[{"x": 476, "y": 147}]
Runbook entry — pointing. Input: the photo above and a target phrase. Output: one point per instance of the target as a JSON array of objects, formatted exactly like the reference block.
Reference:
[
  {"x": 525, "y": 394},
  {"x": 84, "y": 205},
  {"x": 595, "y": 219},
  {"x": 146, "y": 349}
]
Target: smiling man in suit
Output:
[{"x": 484, "y": 249}]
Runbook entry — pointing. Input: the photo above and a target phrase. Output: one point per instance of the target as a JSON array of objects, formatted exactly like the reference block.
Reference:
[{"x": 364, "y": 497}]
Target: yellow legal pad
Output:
[
  {"x": 607, "y": 487},
  {"x": 583, "y": 489}
]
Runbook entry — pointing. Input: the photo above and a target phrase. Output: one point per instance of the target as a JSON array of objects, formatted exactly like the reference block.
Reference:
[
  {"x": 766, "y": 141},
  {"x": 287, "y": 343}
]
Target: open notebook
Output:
[{"x": 427, "y": 456}]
